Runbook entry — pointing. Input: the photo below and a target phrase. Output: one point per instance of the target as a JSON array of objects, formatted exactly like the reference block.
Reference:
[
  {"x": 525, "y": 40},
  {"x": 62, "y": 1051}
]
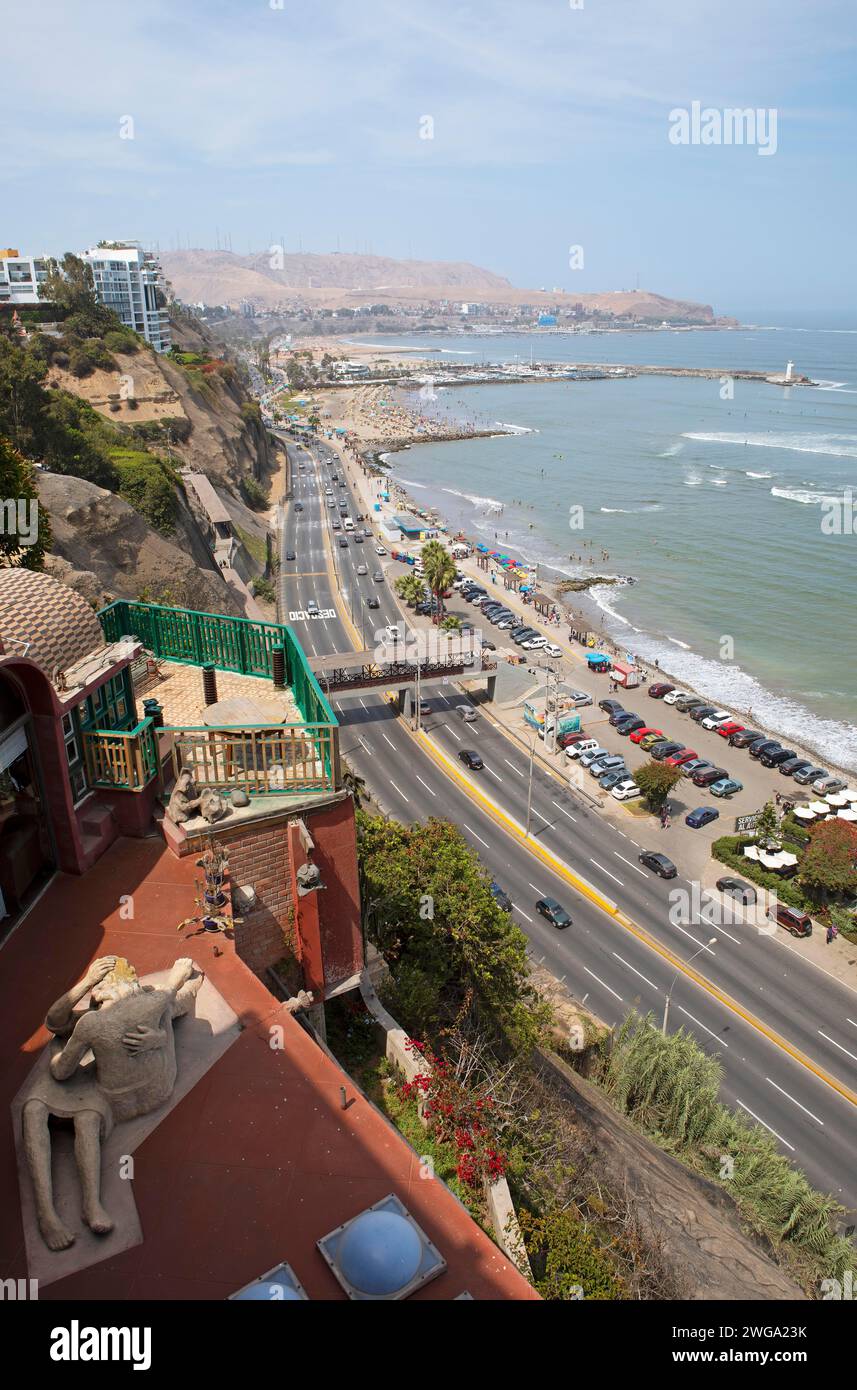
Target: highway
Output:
[{"x": 611, "y": 964}]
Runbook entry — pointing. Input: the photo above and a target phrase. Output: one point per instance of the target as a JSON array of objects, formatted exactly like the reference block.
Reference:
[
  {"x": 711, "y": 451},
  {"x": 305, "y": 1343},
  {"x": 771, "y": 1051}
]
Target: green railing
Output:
[
  {"x": 126, "y": 759},
  {"x": 232, "y": 644}
]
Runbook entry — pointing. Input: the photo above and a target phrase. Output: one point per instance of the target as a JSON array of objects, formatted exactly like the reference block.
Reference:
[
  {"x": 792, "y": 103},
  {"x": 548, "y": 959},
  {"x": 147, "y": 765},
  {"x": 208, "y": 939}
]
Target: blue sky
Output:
[{"x": 550, "y": 130}]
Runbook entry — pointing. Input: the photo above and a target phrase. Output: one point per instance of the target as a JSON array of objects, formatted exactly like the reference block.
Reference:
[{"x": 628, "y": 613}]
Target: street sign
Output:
[{"x": 745, "y": 824}]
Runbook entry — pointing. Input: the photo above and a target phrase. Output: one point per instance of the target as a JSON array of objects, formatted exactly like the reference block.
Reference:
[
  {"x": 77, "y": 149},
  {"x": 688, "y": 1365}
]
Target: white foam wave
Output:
[
  {"x": 802, "y": 495},
  {"x": 633, "y": 511},
  {"x": 514, "y": 429},
  {"x": 836, "y": 445},
  {"x": 672, "y": 451},
  {"x": 750, "y": 474},
  {"x": 488, "y": 504},
  {"x": 406, "y": 482}
]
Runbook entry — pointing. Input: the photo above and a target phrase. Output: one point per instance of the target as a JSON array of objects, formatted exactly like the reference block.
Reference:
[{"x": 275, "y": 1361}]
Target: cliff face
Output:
[{"x": 105, "y": 550}]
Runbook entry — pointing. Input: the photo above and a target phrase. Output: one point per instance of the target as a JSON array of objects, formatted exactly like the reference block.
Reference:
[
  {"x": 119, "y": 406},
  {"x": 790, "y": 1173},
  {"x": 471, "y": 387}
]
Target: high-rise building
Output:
[
  {"x": 20, "y": 277},
  {"x": 128, "y": 281}
]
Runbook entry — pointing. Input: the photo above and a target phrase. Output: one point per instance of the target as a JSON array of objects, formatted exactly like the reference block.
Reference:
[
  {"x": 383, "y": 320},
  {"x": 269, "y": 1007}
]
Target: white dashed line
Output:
[
  {"x": 427, "y": 787},
  {"x": 767, "y": 1127},
  {"x": 493, "y": 773},
  {"x": 628, "y": 862},
  {"x": 607, "y": 872},
  {"x": 694, "y": 939},
  {"x": 472, "y": 832},
  {"x": 384, "y": 736},
  {"x": 512, "y": 766},
  {"x": 399, "y": 790},
  {"x": 564, "y": 811},
  {"x": 523, "y": 914},
  {"x": 602, "y": 984},
  {"x": 839, "y": 1045},
  {"x": 702, "y": 1025},
  {"x": 636, "y": 971},
  {"x": 794, "y": 1102}
]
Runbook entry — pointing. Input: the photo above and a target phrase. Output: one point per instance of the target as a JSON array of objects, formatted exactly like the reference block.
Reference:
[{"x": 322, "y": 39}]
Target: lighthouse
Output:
[{"x": 789, "y": 370}]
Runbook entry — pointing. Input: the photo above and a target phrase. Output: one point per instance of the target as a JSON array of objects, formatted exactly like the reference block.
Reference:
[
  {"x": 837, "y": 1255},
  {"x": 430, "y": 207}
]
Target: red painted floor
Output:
[{"x": 259, "y": 1160}]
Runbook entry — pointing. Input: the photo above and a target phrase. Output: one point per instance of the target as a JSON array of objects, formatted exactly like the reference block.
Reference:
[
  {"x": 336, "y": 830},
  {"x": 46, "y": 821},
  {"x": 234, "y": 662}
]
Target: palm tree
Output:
[{"x": 440, "y": 571}]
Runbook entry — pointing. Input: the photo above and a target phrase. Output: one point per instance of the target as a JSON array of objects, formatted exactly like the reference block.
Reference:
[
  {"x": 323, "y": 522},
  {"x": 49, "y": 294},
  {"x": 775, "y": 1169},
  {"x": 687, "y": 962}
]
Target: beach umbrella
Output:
[
  {"x": 751, "y": 852},
  {"x": 849, "y": 815},
  {"x": 804, "y": 813},
  {"x": 820, "y": 808},
  {"x": 850, "y": 793},
  {"x": 837, "y": 799}
]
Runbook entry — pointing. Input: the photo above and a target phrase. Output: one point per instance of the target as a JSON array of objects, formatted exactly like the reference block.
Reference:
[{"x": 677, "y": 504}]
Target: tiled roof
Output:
[{"x": 45, "y": 620}]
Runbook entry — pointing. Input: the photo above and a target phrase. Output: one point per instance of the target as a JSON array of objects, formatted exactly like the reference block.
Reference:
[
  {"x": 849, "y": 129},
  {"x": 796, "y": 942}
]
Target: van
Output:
[{"x": 348, "y": 524}]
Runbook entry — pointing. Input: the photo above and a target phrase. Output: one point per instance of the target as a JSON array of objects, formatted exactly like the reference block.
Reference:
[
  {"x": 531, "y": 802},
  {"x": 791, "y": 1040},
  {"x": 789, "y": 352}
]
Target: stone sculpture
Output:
[
  {"x": 184, "y": 800},
  {"x": 212, "y": 806},
  {"x": 111, "y": 1062}
]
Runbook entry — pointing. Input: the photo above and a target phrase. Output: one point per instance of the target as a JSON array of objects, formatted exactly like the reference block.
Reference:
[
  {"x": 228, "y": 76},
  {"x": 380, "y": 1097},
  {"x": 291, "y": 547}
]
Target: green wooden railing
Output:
[{"x": 126, "y": 759}]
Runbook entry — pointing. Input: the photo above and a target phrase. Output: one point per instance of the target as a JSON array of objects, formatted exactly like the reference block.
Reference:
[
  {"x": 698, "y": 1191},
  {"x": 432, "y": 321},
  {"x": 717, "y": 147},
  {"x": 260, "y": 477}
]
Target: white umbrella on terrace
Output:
[
  {"x": 849, "y": 815},
  {"x": 787, "y": 859},
  {"x": 804, "y": 813},
  {"x": 837, "y": 799},
  {"x": 820, "y": 808},
  {"x": 850, "y": 794},
  {"x": 751, "y": 852}
]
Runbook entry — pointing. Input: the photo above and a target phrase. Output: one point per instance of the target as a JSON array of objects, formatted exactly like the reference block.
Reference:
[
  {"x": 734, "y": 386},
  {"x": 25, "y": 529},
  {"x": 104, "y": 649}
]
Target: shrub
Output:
[
  {"x": 264, "y": 589},
  {"x": 728, "y": 850},
  {"x": 147, "y": 484},
  {"x": 121, "y": 340},
  {"x": 254, "y": 494},
  {"x": 566, "y": 1259}
]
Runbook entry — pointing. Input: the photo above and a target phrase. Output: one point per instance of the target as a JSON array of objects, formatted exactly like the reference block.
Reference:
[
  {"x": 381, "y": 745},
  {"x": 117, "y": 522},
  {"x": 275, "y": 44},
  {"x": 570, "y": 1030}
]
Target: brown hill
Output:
[{"x": 349, "y": 281}]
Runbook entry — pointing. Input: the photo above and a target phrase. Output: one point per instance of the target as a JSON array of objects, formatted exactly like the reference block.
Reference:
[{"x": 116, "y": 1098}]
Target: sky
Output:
[{"x": 500, "y": 133}]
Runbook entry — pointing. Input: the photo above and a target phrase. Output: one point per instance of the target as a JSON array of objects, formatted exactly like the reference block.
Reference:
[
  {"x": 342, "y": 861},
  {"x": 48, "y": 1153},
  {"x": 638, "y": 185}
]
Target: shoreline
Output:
[{"x": 585, "y": 613}]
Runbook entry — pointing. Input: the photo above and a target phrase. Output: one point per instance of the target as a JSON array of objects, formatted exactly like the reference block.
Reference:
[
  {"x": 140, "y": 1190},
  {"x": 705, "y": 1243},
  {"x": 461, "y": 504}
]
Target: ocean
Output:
[{"x": 730, "y": 511}]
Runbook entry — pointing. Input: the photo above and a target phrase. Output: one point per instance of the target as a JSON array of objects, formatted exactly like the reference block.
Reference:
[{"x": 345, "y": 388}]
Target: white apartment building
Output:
[
  {"x": 127, "y": 280},
  {"x": 20, "y": 277}
]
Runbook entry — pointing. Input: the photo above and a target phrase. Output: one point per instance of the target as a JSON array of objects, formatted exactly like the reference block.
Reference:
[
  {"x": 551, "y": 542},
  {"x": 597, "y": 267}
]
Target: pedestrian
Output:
[{"x": 829, "y": 934}]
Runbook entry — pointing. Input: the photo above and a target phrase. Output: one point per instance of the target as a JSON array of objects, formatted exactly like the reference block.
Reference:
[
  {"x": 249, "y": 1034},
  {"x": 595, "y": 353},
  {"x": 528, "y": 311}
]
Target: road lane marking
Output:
[
  {"x": 399, "y": 790},
  {"x": 535, "y": 889},
  {"x": 564, "y": 811},
  {"x": 384, "y": 736},
  {"x": 491, "y": 770},
  {"x": 694, "y": 939},
  {"x": 839, "y": 1045},
  {"x": 702, "y": 1025},
  {"x": 630, "y": 865},
  {"x": 637, "y": 972},
  {"x": 607, "y": 872},
  {"x": 512, "y": 766},
  {"x": 603, "y": 985},
  {"x": 523, "y": 913},
  {"x": 794, "y": 1102},
  {"x": 767, "y": 1126},
  {"x": 472, "y": 832},
  {"x": 426, "y": 785}
]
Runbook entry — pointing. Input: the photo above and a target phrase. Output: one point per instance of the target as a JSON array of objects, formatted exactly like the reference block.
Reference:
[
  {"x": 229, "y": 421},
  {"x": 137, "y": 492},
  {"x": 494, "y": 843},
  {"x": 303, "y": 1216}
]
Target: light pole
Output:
[
  {"x": 530, "y": 783},
  {"x": 712, "y": 942}
]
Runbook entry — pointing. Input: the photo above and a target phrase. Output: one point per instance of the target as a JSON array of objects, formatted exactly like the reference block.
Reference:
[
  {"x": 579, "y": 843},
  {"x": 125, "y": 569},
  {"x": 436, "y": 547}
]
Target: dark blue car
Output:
[{"x": 703, "y": 815}]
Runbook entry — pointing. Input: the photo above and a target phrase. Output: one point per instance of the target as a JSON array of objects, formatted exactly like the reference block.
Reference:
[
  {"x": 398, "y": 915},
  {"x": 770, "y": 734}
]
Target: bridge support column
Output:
[
  {"x": 400, "y": 699},
  {"x": 492, "y": 686}
]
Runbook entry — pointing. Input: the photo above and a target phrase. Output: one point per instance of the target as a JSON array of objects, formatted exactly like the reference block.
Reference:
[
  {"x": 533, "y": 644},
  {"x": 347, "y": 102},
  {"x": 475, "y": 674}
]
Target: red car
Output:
[
  {"x": 639, "y": 734},
  {"x": 567, "y": 740},
  {"x": 683, "y": 756},
  {"x": 660, "y": 689},
  {"x": 730, "y": 727}
]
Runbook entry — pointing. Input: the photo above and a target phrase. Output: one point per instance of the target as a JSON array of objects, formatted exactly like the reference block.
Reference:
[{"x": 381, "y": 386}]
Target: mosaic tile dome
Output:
[{"x": 59, "y": 625}]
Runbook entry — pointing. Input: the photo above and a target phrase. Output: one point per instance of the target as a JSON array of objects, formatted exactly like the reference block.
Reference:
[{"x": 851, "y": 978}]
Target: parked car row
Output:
[{"x": 501, "y": 617}]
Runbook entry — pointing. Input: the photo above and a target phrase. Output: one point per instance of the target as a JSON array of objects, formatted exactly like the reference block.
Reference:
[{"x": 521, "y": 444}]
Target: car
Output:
[
  {"x": 491, "y": 605},
  {"x": 777, "y": 756},
  {"x": 343, "y": 542},
  {"x": 763, "y": 745},
  {"x": 570, "y": 739},
  {"x": 534, "y": 644},
  {"x": 674, "y": 696},
  {"x": 466, "y": 712},
  {"x": 466, "y": 629},
  {"x": 330, "y": 502},
  {"x": 362, "y": 569},
  {"x": 425, "y": 707},
  {"x": 578, "y": 698},
  {"x": 650, "y": 739},
  {"x": 809, "y": 774},
  {"x": 602, "y": 765},
  {"x": 611, "y": 779},
  {"x": 826, "y": 786},
  {"x": 591, "y": 755},
  {"x": 312, "y": 606},
  {"x": 555, "y": 914},
  {"x": 619, "y": 714},
  {"x": 378, "y": 577},
  {"x": 744, "y": 738},
  {"x": 290, "y": 555},
  {"x": 500, "y": 896},
  {"x": 737, "y": 888},
  {"x": 585, "y": 745},
  {"x": 393, "y": 633},
  {"x": 684, "y": 703},
  {"x": 703, "y": 815},
  {"x": 793, "y": 765},
  {"x": 336, "y": 525},
  {"x": 471, "y": 758},
  {"x": 629, "y": 726},
  {"x": 524, "y": 636},
  {"x": 379, "y": 550},
  {"x": 727, "y": 786},
  {"x": 713, "y": 721},
  {"x": 728, "y": 728},
  {"x": 626, "y": 790},
  {"x": 707, "y": 776},
  {"x": 791, "y": 918},
  {"x": 367, "y": 533},
  {"x": 358, "y": 539},
  {"x": 684, "y": 755},
  {"x": 299, "y": 506},
  {"x": 639, "y": 734},
  {"x": 658, "y": 863},
  {"x": 694, "y": 765},
  {"x": 609, "y": 706},
  {"x": 700, "y": 712},
  {"x": 551, "y": 649},
  {"x": 660, "y": 689},
  {"x": 661, "y": 751},
  {"x": 505, "y": 623},
  {"x": 373, "y": 602}
]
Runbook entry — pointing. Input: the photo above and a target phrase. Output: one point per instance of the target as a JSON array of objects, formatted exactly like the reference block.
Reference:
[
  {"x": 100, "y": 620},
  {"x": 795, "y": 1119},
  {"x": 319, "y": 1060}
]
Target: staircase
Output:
[{"x": 98, "y": 830}]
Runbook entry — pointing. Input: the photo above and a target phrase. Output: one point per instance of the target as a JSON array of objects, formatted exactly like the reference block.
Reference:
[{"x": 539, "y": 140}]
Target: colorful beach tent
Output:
[{"x": 597, "y": 659}]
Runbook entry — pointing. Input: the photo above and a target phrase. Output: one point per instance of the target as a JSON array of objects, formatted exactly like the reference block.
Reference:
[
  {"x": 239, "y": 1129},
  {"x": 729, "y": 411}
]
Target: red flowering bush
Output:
[{"x": 457, "y": 1117}]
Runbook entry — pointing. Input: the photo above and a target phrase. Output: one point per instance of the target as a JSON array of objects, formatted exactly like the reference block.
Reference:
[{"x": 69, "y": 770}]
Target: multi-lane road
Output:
[{"x": 784, "y": 1030}]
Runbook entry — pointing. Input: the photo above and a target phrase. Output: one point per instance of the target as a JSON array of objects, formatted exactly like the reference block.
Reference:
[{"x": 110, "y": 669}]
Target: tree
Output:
[
  {"x": 23, "y": 397},
  {"x": 829, "y": 864},
  {"x": 429, "y": 909},
  {"x": 440, "y": 571},
  {"x": 410, "y": 588},
  {"x": 767, "y": 827},
  {"x": 20, "y": 543},
  {"x": 656, "y": 781},
  {"x": 70, "y": 285}
]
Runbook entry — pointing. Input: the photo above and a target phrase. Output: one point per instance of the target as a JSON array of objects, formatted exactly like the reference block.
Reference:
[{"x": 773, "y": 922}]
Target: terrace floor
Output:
[
  {"x": 259, "y": 1160},
  {"x": 178, "y": 687}
]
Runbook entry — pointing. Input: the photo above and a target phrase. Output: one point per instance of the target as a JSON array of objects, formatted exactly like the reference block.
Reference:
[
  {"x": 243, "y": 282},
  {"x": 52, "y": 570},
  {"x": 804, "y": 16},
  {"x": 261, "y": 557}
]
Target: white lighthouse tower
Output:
[{"x": 790, "y": 371}]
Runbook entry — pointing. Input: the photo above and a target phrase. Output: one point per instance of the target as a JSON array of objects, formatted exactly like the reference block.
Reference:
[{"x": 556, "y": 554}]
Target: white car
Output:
[
  {"x": 392, "y": 633},
  {"x": 467, "y": 712},
  {"x": 673, "y": 695},
  {"x": 579, "y": 698},
  {"x": 362, "y": 569},
  {"x": 552, "y": 649},
  {"x": 379, "y": 550},
  {"x": 718, "y": 717},
  {"x": 312, "y": 606},
  {"x": 534, "y": 644},
  {"x": 626, "y": 791},
  {"x": 586, "y": 745}
]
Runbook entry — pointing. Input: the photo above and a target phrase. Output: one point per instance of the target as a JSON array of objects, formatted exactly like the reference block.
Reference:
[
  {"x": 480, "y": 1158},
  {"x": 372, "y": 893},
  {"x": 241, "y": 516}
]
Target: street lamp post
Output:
[
  {"x": 530, "y": 783},
  {"x": 712, "y": 942}
]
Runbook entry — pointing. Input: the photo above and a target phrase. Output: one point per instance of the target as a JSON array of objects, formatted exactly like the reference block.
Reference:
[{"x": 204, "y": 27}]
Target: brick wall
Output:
[{"x": 259, "y": 857}]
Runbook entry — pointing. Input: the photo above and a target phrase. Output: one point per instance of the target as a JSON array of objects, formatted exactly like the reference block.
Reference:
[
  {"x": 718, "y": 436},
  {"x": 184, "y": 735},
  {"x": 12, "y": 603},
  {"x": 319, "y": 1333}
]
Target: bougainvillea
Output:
[{"x": 457, "y": 1116}]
